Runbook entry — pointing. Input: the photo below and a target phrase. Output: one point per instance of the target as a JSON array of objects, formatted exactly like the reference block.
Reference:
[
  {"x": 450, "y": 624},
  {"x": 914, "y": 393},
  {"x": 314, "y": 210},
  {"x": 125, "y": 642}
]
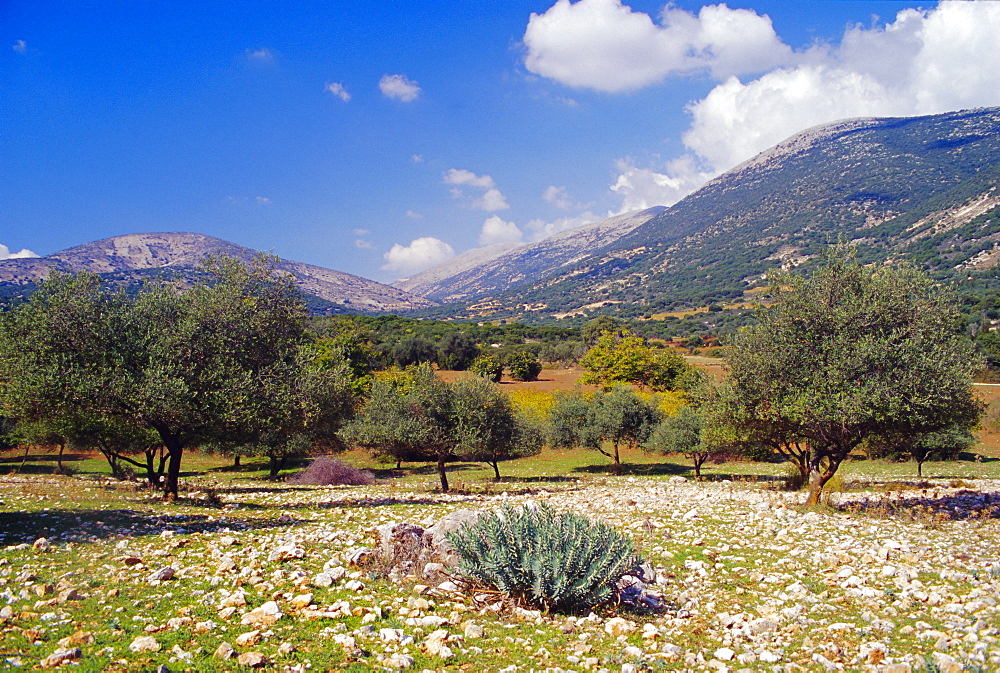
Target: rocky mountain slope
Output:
[
  {"x": 489, "y": 270},
  {"x": 132, "y": 257},
  {"x": 922, "y": 189}
]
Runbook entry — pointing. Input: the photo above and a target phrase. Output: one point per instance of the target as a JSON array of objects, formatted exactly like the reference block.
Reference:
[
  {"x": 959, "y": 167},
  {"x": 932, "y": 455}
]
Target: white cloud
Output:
[
  {"x": 421, "y": 253},
  {"x": 460, "y": 176},
  {"x": 496, "y": 230},
  {"x": 491, "y": 200},
  {"x": 412, "y": 214},
  {"x": 338, "y": 90},
  {"x": 642, "y": 188},
  {"x": 921, "y": 62},
  {"x": 361, "y": 232},
  {"x": 604, "y": 45},
  {"x": 558, "y": 197},
  {"x": 417, "y": 158},
  {"x": 399, "y": 87},
  {"x": 363, "y": 244},
  {"x": 262, "y": 200},
  {"x": 20, "y": 46},
  {"x": 262, "y": 54},
  {"x": 540, "y": 229},
  {"x": 5, "y": 253}
]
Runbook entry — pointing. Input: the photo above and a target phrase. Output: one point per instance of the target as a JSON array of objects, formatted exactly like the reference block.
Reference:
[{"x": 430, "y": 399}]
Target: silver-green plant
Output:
[{"x": 558, "y": 561}]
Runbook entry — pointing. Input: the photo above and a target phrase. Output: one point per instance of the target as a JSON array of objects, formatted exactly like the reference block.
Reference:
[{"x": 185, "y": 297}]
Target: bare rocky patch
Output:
[{"x": 270, "y": 578}]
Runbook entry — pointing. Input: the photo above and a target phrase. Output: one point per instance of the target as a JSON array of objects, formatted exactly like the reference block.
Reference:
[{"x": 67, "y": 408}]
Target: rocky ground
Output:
[{"x": 884, "y": 579}]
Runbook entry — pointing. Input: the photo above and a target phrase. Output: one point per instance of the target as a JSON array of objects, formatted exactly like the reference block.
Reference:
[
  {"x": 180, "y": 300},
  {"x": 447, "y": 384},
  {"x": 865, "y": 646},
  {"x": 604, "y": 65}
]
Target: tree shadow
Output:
[
  {"x": 67, "y": 525},
  {"x": 535, "y": 480},
  {"x": 635, "y": 469},
  {"x": 958, "y": 506}
]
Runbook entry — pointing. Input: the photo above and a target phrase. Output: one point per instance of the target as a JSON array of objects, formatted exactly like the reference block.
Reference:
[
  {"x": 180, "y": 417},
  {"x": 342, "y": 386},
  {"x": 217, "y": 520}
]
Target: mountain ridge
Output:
[
  {"x": 136, "y": 255},
  {"x": 923, "y": 189}
]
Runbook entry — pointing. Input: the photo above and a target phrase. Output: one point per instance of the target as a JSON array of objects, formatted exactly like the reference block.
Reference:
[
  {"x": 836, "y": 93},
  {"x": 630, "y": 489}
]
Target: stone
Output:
[
  {"x": 41, "y": 545},
  {"x": 616, "y": 626},
  {"x": 323, "y": 580},
  {"x": 435, "y": 646},
  {"x": 61, "y": 656},
  {"x": 265, "y": 615},
  {"x": 302, "y": 601},
  {"x": 285, "y": 553},
  {"x": 248, "y": 639},
  {"x": 144, "y": 644},
  {"x": 252, "y": 660},
  {"x": 435, "y": 540},
  {"x": 163, "y": 574},
  {"x": 286, "y": 648},
  {"x": 473, "y": 630},
  {"x": 224, "y": 651},
  {"x": 398, "y": 661},
  {"x": 945, "y": 663},
  {"x": 763, "y": 625},
  {"x": 226, "y": 564},
  {"x": 77, "y": 639},
  {"x": 724, "y": 654}
]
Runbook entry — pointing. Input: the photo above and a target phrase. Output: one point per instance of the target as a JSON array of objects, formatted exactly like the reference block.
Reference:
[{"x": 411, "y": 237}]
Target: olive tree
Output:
[
  {"x": 848, "y": 353},
  {"x": 417, "y": 416},
  {"x": 619, "y": 418},
  {"x": 218, "y": 360}
]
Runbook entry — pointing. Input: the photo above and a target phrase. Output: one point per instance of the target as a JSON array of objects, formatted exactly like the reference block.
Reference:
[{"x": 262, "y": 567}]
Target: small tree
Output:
[
  {"x": 523, "y": 366},
  {"x": 487, "y": 427},
  {"x": 851, "y": 353},
  {"x": 682, "y": 433},
  {"x": 619, "y": 417},
  {"x": 408, "y": 417},
  {"x": 623, "y": 358},
  {"x": 488, "y": 367}
]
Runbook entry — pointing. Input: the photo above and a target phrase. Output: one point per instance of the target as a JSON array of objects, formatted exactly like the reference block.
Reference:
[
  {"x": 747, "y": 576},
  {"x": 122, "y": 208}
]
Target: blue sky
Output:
[{"x": 382, "y": 138}]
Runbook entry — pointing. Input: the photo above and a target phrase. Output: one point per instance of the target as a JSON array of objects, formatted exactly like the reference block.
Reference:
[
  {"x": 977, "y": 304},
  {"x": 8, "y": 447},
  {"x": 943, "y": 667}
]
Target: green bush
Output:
[
  {"x": 523, "y": 366},
  {"x": 487, "y": 366},
  {"x": 560, "y": 562}
]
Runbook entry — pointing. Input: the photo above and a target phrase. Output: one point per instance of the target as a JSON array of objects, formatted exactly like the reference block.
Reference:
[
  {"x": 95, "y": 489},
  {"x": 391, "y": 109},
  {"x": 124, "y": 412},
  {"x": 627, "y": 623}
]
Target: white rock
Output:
[
  {"x": 144, "y": 644},
  {"x": 161, "y": 575},
  {"x": 724, "y": 654}
]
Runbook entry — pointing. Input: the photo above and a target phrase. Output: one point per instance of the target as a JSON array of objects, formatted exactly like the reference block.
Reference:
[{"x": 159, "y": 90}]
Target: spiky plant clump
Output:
[{"x": 560, "y": 562}]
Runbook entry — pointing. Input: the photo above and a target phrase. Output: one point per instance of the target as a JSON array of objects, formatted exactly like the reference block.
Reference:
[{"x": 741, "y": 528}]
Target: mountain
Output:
[
  {"x": 922, "y": 189},
  {"x": 485, "y": 271},
  {"x": 134, "y": 257}
]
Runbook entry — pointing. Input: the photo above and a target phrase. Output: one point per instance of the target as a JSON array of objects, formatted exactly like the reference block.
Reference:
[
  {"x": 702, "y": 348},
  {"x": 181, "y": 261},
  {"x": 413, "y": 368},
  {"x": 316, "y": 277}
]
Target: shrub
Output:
[
  {"x": 523, "y": 366},
  {"x": 559, "y": 562},
  {"x": 487, "y": 366},
  {"x": 328, "y": 471}
]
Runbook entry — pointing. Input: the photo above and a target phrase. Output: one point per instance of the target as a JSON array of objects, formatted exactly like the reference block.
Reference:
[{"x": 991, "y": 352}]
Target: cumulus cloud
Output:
[
  {"x": 422, "y": 253},
  {"x": 338, "y": 90},
  {"x": 20, "y": 46},
  {"x": 496, "y": 230},
  {"x": 642, "y": 188},
  {"x": 558, "y": 197},
  {"x": 491, "y": 199},
  {"x": 919, "y": 62},
  {"x": 460, "y": 176},
  {"x": 604, "y": 45},
  {"x": 5, "y": 253},
  {"x": 399, "y": 87},
  {"x": 540, "y": 229}
]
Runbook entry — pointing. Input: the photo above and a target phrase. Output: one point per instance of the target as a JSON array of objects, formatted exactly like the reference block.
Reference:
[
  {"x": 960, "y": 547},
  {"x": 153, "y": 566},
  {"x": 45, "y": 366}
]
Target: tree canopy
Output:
[
  {"x": 849, "y": 353},
  {"x": 222, "y": 359}
]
